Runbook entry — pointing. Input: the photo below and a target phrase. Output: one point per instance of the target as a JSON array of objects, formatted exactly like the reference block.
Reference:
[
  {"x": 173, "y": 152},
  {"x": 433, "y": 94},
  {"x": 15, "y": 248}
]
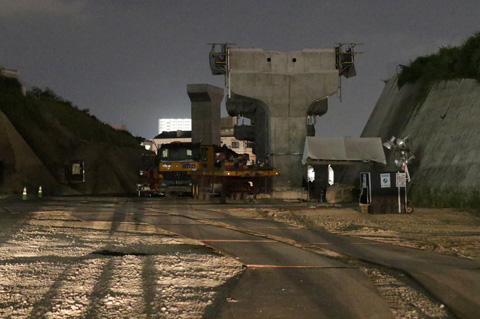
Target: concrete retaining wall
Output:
[{"x": 445, "y": 131}]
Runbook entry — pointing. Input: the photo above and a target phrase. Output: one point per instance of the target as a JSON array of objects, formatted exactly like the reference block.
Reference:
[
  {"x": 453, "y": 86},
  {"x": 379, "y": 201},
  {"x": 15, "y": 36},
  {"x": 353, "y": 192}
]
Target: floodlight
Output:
[
  {"x": 401, "y": 147},
  {"x": 390, "y": 143},
  {"x": 387, "y": 145},
  {"x": 403, "y": 142}
]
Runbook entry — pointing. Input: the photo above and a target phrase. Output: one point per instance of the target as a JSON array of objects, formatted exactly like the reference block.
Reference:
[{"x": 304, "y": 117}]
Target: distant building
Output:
[
  {"x": 13, "y": 74},
  {"x": 171, "y": 125},
  {"x": 10, "y": 73},
  {"x": 227, "y": 124},
  {"x": 241, "y": 147},
  {"x": 169, "y": 137},
  {"x": 119, "y": 127}
]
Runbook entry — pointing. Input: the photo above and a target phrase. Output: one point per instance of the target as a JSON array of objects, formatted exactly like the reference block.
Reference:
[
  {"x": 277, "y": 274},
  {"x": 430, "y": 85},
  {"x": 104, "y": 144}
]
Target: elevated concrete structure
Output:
[
  {"x": 278, "y": 91},
  {"x": 206, "y": 101}
]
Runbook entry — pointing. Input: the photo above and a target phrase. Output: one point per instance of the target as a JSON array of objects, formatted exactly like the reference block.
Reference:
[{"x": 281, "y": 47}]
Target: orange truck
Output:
[{"x": 205, "y": 170}]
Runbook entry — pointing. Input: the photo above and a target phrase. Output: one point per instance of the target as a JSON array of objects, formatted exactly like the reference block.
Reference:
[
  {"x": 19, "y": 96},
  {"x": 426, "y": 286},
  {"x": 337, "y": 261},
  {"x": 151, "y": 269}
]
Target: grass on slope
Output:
[
  {"x": 45, "y": 111},
  {"x": 449, "y": 63}
]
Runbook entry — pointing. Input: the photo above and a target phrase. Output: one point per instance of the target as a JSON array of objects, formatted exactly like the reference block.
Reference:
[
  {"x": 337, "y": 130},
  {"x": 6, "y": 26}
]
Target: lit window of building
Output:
[{"x": 170, "y": 125}]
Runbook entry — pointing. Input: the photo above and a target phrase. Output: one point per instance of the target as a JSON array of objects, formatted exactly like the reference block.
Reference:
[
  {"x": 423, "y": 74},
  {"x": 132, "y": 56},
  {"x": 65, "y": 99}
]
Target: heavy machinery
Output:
[
  {"x": 149, "y": 177},
  {"x": 176, "y": 161},
  {"x": 204, "y": 170}
]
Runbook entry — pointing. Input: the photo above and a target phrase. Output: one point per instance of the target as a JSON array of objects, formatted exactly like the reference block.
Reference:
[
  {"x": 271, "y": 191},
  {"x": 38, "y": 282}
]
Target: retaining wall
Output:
[{"x": 445, "y": 132}]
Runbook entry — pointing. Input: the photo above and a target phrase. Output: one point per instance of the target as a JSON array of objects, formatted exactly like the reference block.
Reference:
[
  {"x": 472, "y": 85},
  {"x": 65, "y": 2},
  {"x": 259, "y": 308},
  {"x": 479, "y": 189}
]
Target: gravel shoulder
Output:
[
  {"x": 446, "y": 231},
  {"x": 54, "y": 266}
]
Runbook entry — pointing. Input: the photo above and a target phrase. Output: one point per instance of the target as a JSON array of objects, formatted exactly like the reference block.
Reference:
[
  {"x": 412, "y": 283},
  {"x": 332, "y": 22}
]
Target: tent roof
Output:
[{"x": 322, "y": 150}]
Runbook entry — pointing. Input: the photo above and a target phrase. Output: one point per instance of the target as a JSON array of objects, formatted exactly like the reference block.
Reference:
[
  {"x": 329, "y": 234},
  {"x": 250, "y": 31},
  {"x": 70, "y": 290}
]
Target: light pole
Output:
[
  {"x": 402, "y": 147},
  {"x": 404, "y": 156}
]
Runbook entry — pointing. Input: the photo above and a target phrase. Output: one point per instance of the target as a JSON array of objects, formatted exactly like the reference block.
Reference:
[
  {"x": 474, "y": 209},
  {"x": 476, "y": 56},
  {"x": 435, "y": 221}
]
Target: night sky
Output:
[{"x": 129, "y": 62}]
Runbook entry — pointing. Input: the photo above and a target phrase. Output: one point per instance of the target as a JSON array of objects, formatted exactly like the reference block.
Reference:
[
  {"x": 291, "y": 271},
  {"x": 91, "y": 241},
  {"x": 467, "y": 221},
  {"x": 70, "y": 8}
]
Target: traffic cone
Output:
[
  {"x": 40, "y": 193},
  {"x": 24, "y": 195}
]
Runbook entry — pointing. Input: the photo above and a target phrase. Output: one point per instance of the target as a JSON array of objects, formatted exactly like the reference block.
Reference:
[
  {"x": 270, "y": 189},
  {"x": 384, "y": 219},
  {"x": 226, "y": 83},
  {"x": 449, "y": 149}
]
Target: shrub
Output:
[{"x": 449, "y": 63}]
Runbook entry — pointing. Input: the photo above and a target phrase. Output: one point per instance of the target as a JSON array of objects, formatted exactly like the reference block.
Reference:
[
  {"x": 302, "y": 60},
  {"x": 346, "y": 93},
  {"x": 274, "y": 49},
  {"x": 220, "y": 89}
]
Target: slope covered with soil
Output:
[{"x": 41, "y": 134}]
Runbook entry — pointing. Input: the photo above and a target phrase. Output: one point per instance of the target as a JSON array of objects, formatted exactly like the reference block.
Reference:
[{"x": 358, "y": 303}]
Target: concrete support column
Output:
[
  {"x": 292, "y": 86},
  {"x": 287, "y": 136},
  {"x": 206, "y": 100}
]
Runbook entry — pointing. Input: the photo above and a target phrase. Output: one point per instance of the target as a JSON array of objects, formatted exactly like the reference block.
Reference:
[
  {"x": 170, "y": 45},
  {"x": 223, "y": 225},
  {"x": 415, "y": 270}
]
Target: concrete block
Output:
[{"x": 290, "y": 194}]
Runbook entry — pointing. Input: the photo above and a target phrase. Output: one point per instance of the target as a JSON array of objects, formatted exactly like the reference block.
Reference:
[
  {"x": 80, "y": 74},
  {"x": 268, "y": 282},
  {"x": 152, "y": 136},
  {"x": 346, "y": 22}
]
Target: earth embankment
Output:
[{"x": 41, "y": 134}]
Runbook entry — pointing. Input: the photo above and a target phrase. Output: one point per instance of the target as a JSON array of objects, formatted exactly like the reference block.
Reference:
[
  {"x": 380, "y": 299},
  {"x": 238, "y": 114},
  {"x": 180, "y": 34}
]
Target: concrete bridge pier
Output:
[{"x": 278, "y": 91}]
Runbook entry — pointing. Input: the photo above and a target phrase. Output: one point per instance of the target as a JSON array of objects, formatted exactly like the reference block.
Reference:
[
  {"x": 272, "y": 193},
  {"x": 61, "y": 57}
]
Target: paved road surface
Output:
[
  {"x": 453, "y": 281},
  {"x": 283, "y": 280}
]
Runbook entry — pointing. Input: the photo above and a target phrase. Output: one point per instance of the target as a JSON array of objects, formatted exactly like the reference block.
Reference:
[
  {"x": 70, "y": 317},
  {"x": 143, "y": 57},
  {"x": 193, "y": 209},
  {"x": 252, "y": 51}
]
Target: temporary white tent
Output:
[{"x": 321, "y": 150}]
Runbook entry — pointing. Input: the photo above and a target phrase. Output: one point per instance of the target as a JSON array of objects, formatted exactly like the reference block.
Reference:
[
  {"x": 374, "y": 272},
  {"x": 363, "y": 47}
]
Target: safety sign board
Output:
[
  {"x": 401, "y": 180},
  {"x": 385, "y": 180}
]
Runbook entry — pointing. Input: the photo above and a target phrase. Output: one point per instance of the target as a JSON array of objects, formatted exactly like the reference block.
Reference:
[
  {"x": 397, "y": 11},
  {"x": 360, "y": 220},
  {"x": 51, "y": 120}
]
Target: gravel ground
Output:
[
  {"x": 49, "y": 269},
  {"x": 445, "y": 231},
  {"x": 53, "y": 266}
]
